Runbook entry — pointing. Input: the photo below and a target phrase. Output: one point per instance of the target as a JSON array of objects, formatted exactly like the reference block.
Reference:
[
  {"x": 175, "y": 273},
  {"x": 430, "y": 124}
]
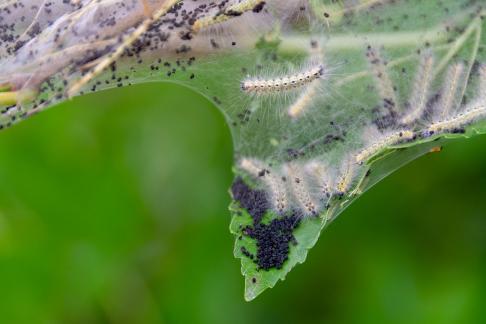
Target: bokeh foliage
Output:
[
  {"x": 111, "y": 211},
  {"x": 368, "y": 55}
]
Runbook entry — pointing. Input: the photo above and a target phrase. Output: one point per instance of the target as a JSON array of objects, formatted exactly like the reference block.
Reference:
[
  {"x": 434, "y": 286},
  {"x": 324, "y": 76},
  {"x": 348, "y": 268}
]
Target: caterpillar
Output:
[
  {"x": 385, "y": 141},
  {"x": 322, "y": 177},
  {"x": 282, "y": 83},
  {"x": 303, "y": 101},
  {"x": 347, "y": 176},
  {"x": 232, "y": 11},
  {"x": 300, "y": 190},
  {"x": 448, "y": 101},
  {"x": 383, "y": 81},
  {"x": 420, "y": 94},
  {"x": 272, "y": 180},
  {"x": 456, "y": 124}
]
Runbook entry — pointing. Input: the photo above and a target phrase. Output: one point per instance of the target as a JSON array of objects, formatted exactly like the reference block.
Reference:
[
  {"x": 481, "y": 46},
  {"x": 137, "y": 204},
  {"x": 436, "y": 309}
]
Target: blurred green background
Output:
[{"x": 113, "y": 209}]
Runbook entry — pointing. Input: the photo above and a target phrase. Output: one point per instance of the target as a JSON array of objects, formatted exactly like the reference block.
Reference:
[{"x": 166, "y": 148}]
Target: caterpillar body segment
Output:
[
  {"x": 449, "y": 95},
  {"x": 253, "y": 167},
  {"x": 347, "y": 175},
  {"x": 421, "y": 90},
  {"x": 482, "y": 82},
  {"x": 456, "y": 124},
  {"x": 385, "y": 87},
  {"x": 298, "y": 107},
  {"x": 283, "y": 83},
  {"x": 301, "y": 190},
  {"x": 278, "y": 189},
  {"x": 322, "y": 176},
  {"x": 8, "y": 98},
  {"x": 230, "y": 12},
  {"x": 383, "y": 142},
  {"x": 275, "y": 182},
  {"x": 449, "y": 119},
  {"x": 314, "y": 89}
]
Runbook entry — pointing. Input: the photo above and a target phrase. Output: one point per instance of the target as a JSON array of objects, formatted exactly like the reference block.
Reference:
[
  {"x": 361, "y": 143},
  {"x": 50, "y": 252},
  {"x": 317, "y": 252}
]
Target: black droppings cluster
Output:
[
  {"x": 34, "y": 35},
  {"x": 259, "y": 7},
  {"x": 247, "y": 253},
  {"x": 244, "y": 116},
  {"x": 254, "y": 201},
  {"x": 273, "y": 241}
]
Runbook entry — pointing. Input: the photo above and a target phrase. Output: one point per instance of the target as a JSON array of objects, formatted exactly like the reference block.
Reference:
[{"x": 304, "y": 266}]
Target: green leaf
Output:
[
  {"x": 256, "y": 280},
  {"x": 396, "y": 80}
]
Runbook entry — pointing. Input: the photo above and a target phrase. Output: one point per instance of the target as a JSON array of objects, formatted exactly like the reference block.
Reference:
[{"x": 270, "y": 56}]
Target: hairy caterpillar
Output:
[
  {"x": 300, "y": 189},
  {"x": 383, "y": 81},
  {"x": 303, "y": 101},
  {"x": 482, "y": 82},
  {"x": 347, "y": 175},
  {"x": 228, "y": 13},
  {"x": 383, "y": 141},
  {"x": 452, "y": 85},
  {"x": 273, "y": 181},
  {"x": 420, "y": 94},
  {"x": 322, "y": 176},
  {"x": 283, "y": 83},
  {"x": 456, "y": 123}
]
